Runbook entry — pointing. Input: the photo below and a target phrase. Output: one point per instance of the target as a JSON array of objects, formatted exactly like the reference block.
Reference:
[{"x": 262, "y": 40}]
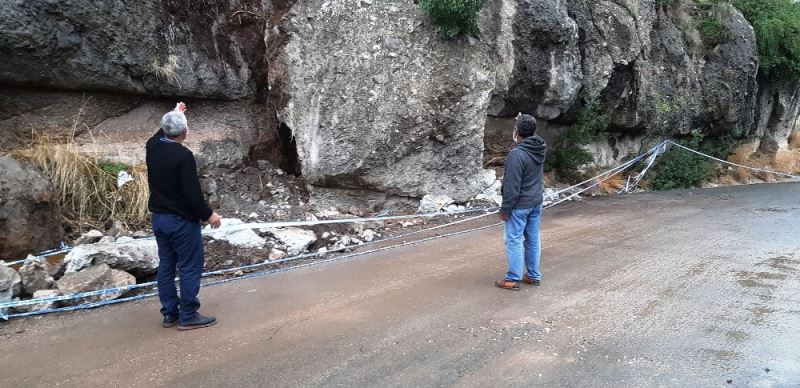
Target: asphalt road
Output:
[{"x": 691, "y": 288}]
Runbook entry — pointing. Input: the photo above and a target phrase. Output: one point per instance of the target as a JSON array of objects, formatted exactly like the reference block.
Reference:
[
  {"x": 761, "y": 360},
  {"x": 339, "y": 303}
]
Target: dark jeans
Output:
[{"x": 180, "y": 245}]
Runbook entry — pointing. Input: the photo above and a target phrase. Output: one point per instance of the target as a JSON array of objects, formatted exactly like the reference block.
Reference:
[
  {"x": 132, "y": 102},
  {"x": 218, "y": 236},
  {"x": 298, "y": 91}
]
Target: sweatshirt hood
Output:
[{"x": 534, "y": 146}]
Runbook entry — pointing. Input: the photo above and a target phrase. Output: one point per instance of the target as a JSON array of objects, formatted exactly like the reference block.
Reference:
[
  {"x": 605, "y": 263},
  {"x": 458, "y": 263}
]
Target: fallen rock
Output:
[
  {"x": 489, "y": 176},
  {"x": 433, "y": 203},
  {"x": 93, "y": 278},
  {"x": 89, "y": 237},
  {"x": 106, "y": 240},
  {"x": 241, "y": 238},
  {"x": 295, "y": 240},
  {"x": 139, "y": 257},
  {"x": 57, "y": 269},
  {"x": 367, "y": 235},
  {"x": 40, "y": 306},
  {"x": 10, "y": 282},
  {"x": 118, "y": 230},
  {"x": 454, "y": 208},
  {"x": 493, "y": 193},
  {"x": 35, "y": 274},
  {"x": 276, "y": 254},
  {"x": 28, "y": 210},
  {"x": 550, "y": 195}
]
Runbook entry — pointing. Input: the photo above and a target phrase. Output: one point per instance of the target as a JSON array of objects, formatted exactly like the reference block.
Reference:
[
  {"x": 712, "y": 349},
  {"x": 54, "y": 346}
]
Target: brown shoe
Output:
[
  {"x": 533, "y": 282},
  {"x": 507, "y": 285}
]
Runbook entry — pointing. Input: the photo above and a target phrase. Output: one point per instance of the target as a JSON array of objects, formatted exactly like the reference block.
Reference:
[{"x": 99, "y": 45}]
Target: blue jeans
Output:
[
  {"x": 523, "y": 223},
  {"x": 180, "y": 246}
]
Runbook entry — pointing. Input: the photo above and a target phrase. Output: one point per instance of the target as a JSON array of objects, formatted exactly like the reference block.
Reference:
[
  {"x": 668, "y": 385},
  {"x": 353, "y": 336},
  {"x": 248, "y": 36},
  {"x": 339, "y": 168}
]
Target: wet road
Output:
[{"x": 672, "y": 289}]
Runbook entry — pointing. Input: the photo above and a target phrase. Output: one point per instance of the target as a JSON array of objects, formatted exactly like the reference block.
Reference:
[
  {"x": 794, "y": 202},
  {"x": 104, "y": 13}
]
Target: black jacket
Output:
[
  {"x": 523, "y": 182},
  {"x": 172, "y": 175}
]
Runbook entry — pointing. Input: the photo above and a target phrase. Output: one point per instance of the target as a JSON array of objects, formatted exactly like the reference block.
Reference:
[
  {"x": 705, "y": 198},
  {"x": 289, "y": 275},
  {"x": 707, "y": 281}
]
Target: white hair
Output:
[{"x": 173, "y": 123}]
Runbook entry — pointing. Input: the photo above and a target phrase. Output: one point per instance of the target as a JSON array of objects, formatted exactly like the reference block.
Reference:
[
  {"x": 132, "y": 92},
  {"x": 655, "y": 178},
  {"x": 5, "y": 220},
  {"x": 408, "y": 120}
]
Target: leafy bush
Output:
[
  {"x": 680, "y": 168},
  {"x": 113, "y": 168},
  {"x": 714, "y": 32},
  {"x": 454, "y": 17},
  {"x": 568, "y": 155},
  {"x": 567, "y": 161},
  {"x": 777, "y": 27}
]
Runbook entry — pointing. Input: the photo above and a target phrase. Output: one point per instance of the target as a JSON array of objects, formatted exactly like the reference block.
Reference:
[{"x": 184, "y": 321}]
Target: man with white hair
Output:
[{"x": 178, "y": 208}]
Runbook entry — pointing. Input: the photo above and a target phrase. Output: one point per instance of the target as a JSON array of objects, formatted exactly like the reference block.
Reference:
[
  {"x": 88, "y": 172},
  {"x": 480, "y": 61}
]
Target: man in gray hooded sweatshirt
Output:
[{"x": 521, "y": 211}]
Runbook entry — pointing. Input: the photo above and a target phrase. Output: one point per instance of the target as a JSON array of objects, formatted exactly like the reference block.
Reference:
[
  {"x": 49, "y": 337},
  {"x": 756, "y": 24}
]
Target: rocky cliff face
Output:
[
  {"x": 635, "y": 57},
  {"x": 209, "y": 49},
  {"x": 375, "y": 100},
  {"x": 108, "y": 70},
  {"x": 378, "y": 101}
]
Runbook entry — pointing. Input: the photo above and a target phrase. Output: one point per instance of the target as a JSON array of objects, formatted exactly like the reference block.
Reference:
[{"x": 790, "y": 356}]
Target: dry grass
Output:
[
  {"x": 88, "y": 194},
  {"x": 794, "y": 140},
  {"x": 741, "y": 155},
  {"x": 787, "y": 161},
  {"x": 613, "y": 184}
]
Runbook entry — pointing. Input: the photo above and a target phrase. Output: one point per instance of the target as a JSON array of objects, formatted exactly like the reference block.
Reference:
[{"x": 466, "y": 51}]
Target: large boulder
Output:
[
  {"x": 377, "y": 100},
  {"x": 10, "y": 282},
  {"x": 245, "y": 238},
  {"x": 36, "y": 275},
  {"x": 29, "y": 215},
  {"x": 778, "y": 115},
  {"x": 91, "y": 279},
  {"x": 43, "y": 305},
  {"x": 547, "y": 74},
  {"x": 293, "y": 240},
  {"x": 139, "y": 257}
]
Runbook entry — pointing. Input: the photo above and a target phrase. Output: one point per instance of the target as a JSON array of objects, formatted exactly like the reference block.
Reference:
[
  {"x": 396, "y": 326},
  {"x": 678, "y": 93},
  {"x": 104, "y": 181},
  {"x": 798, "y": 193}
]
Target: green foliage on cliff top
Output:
[
  {"x": 454, "y": 17},
  {"x": 777, "y": 27}
]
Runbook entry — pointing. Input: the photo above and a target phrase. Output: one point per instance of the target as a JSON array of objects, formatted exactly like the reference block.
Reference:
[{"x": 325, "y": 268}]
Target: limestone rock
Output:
[
  {"x": 43, "y": 305},
  {"x": 295, "y": 240},
  {"x": 139, "y": 257},
  {"x": 29, "y": 214},
  {"x": 89, "y": 237},
  {"x": 93, "y": 278},
  {"x": 10, "y": 282},
  {"x": 434, "y": 203},
  {"x": 36, "y": 275},
  {"x": 246, "y": 238},
  {"x": 427, "y": 99}
]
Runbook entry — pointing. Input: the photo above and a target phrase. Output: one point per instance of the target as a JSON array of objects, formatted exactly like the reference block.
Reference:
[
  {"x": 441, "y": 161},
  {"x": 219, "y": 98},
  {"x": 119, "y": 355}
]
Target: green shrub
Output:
[
  {"x": 454, "y": 17},
  {"x": 567, "y": 161},
  {"x": 680, "y": 168},
  {"x": 568, "y": 156},
  {"x": 713, "y": 32},
  {"x": 777, "y": 27},
  {"x": 113, "y": 168},
  {"x": 590, "y": 126}
]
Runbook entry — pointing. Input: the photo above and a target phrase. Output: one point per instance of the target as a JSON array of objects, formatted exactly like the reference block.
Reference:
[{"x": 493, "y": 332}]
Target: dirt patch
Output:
[
  {"x": 221, "y": 255},
  {"x": 260, "y": 191}
]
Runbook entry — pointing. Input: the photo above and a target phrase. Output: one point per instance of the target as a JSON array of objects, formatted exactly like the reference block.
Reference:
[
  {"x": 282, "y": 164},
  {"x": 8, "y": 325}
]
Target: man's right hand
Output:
[
  {"x": 215, "y": 220},
  {"x": 180, "y": 107}
]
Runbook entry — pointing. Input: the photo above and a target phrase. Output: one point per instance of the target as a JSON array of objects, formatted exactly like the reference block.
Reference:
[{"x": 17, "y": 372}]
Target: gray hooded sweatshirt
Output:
[{"x": 523, "y": 182}]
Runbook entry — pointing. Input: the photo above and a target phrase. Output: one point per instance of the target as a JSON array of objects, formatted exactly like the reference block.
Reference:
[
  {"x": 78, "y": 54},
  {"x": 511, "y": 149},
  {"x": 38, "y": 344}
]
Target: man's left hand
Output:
[{"x": 503, "y": 217}]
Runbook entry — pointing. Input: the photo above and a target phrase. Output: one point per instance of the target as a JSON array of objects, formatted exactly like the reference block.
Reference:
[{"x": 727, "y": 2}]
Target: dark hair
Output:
[{"x": 526, "y": 125}]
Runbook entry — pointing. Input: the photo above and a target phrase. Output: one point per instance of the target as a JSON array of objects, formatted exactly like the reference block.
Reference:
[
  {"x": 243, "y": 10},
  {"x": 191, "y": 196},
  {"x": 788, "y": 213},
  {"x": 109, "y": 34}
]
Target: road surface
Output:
[{"x": 688, "y": 288}]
